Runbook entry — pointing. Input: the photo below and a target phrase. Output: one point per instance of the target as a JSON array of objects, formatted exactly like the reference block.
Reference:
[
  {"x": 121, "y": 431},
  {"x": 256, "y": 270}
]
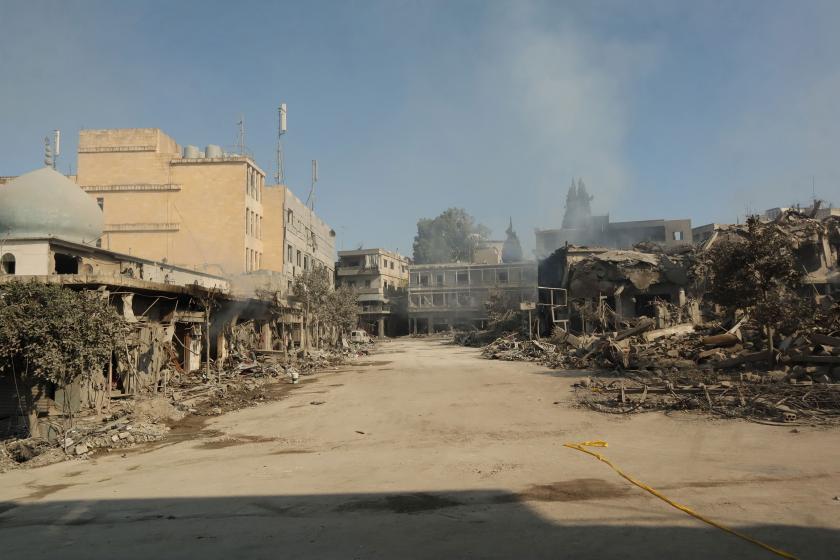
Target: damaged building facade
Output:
[
  {"x": 444, "y": 296},
  {"x": 379, "y": 279},
  {"x": 181, "y": 320}
]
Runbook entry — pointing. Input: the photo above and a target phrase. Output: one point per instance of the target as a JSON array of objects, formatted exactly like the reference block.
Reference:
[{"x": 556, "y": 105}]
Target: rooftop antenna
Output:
[
  {"x": 240, "y": 142},
  {"x": 48, "y": 155},
  {"x": 57, "y": 146},
  {"x": 280, "y": 176},
  {"x": 310, "y": 200}
]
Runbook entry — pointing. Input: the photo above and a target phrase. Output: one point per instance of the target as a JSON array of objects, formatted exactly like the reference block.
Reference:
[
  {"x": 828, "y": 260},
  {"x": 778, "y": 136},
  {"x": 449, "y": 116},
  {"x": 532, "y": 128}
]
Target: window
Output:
[
  {"x": 298, "y": 258},
  {"x": 66, "y": 264},
  {"x": 502, "y": 276},
  {"x": 437, "y": 299},
  {"x": 289, "y": 253},
  {"x": 462, "y": 277},
  {"x": 247, "y": 221},
  {"x": 413, "y": 279},
  {"x": 290, "y": 217},
  {"x": 678, "y": 236},
  {"x": 7, "y": 263},
  {"x": 391, "y": 265},
  {"x": 424, "y": 279},
  {"x": 305, "y": 262},
  {"x": 101, "y": 202},
  {"x": 439, "y": 279}
]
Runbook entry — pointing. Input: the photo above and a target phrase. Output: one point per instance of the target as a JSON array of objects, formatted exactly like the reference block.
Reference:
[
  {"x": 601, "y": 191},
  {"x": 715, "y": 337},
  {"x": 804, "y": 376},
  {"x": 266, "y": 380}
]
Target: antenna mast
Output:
[
  {"x": 241, "y": 140},
  {"x": 310, "y": 200},
  {"x": 280, "y": 176}
]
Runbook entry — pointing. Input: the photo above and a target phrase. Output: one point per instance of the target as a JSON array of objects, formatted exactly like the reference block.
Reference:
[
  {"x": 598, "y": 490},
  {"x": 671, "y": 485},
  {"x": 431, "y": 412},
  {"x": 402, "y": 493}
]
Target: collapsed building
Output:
[
  {"x": 584, "y": 289},
  {"x": 816, "y": 240},
  {"x": 587, "y": 288}
]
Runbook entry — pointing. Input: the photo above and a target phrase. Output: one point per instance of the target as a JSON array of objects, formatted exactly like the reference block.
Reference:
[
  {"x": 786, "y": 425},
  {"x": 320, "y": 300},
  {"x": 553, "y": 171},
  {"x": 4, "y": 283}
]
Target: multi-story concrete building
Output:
[
  {"x": 441, "y": 296},
  {"x": 199, "y": 209},
  {"x": 380, "y": 279},
  {"x": 618, "y": 235},
  {"x": 307, "y": 240}
]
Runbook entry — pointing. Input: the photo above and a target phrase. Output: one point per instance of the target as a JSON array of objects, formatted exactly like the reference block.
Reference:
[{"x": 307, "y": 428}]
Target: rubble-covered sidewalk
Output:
[{"x": 149, "y": 417}]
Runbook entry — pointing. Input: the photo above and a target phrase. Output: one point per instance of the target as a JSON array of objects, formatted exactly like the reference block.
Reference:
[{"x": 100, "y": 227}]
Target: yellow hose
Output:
[{"x": 582, "y": 447}]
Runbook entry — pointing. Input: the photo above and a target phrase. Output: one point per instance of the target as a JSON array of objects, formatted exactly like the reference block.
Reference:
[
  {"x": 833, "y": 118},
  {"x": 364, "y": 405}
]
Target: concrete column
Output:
[
  {"x": 381, "y": 327},
  {"x": 265, "y": 331},
  {"x": 192, "y": 352},
  {"x": 221, "y": 346},
  {"x": 430, "y": 327}
]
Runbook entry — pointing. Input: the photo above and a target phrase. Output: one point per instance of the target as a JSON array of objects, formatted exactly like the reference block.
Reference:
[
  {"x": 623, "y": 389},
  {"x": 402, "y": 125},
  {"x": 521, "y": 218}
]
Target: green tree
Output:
[
  {"x": 343, "y": 310},
  {"x": 451, "y": 237},
  {"x": 760, "y": 274},
  {"x": 49, "y": 333},
  {"x": 324, "y": 307}
]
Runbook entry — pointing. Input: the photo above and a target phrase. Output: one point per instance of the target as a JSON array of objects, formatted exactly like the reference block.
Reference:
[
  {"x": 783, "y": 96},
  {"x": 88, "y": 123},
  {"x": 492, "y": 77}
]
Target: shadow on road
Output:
[{"x": 465, "y": 524}]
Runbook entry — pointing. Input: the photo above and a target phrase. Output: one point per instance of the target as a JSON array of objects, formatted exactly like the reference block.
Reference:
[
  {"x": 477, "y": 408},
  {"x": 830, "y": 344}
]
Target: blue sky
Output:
[{"x": 705, "y": 110}]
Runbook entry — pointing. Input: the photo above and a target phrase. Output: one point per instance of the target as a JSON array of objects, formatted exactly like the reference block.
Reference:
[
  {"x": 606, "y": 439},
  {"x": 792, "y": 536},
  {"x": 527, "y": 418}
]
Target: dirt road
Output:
[{"x": 428, "y": 451}]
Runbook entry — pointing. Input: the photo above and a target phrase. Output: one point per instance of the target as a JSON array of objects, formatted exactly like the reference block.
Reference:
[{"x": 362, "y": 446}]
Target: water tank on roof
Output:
[
  {"x": 192, "y": 152},
  {"x": 213, "y": 151}
]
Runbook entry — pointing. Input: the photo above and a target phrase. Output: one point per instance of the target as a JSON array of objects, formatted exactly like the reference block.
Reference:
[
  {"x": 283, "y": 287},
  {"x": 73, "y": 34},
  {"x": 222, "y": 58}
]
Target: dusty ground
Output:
[{"x": 428, "y": 451}]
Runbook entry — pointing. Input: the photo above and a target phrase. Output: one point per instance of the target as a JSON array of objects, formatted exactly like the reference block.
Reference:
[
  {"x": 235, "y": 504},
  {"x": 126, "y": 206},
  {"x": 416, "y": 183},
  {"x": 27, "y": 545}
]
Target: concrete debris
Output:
[
  {"x": 683, "y": 368},
  {"x": 756, "y": 398}
]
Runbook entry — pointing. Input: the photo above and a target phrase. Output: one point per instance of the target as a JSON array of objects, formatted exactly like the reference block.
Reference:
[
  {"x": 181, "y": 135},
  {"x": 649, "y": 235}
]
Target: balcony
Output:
[{"x": 356, "y": 270}]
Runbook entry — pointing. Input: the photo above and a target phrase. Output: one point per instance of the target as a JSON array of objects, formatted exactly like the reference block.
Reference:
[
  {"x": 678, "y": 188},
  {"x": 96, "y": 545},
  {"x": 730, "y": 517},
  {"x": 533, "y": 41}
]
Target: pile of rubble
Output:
[
  {"x": 510, "y": 349},
  {"x": 764, "y": 398},
  {"x": 704, "y": 368},
  {"x": 128, "y": 423}
]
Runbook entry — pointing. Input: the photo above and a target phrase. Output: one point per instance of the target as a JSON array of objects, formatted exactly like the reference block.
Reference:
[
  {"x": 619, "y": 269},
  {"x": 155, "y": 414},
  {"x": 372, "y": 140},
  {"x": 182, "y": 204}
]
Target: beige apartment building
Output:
[
  {"x": 379, "y": 279},
  {"x": 308, "y": 241},
  {"x": 205, "y": 210}
]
